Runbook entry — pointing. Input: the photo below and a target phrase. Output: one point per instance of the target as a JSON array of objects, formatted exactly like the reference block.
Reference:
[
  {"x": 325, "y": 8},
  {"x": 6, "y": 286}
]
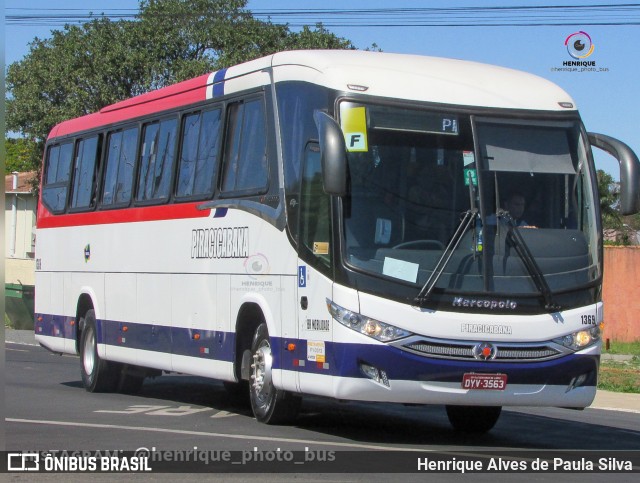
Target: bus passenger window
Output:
[
  {"x": 246, "y": 148},
  {"x": 199, "y": 154},
  {"x": 315, "y": 212},
  {"x": 121, "y": 154},
  {"x": 57, "y": 167},
  {"x": 157, "y": 160},
  {"x": 84, "y": 173}
]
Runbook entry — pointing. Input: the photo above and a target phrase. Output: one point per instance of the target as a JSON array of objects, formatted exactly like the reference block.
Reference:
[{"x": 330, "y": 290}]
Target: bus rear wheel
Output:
[
  {"x": 97, "y": 375},
  {"x": 269, "y": 405},
  {"x": 473, "y": 419}
]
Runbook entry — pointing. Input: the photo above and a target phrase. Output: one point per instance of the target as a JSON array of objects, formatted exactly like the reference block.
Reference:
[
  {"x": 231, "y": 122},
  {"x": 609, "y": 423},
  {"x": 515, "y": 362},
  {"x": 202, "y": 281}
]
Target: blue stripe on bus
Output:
[
  {"x": 55, "y": 326},
  {"x": 220, "y": 212},
  {"x": 218, "y": 83},
  {"x": 341, "y": 359}
]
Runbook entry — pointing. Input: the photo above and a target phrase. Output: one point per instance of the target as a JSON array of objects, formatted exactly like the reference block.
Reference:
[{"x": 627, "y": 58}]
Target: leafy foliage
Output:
[
  {"x": 609, "y": 200},
  {"x": 21, "y": 155},
  {"x": 619, "y": 230}
]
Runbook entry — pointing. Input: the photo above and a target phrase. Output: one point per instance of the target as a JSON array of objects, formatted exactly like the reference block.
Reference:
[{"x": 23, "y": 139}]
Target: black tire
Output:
[
  {"x": 237, "y": 393},
  {"x": 97, "y": 375},
  {"x": 473, "y": 419},
  {"x": 269, "y": 405}
]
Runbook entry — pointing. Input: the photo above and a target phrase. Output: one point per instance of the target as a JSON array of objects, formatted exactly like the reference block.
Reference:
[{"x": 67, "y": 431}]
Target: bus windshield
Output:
[{"x": 416, "y": 175}]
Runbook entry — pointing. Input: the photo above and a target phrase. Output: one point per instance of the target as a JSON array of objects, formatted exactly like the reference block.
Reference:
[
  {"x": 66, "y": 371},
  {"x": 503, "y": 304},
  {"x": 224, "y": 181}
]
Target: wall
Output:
[
  {"x": 621, "y": 294},
  {"x": 20, "y": 271},
  {"x": 25, "y": 222}
]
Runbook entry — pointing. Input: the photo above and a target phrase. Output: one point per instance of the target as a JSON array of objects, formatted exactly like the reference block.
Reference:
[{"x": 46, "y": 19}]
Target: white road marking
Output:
[
  {"x": 220, "y": 435},
  {"x": 223, "y": 414}
]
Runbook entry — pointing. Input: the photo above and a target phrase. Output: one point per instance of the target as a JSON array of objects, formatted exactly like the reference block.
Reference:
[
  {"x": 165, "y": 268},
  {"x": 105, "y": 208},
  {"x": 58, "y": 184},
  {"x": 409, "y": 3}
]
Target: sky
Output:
[{"x": 608, "y": 99}]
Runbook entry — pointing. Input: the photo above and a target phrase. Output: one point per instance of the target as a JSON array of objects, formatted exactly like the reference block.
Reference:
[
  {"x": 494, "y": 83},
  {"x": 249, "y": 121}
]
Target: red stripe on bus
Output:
[{"x": 126, "y": 215}]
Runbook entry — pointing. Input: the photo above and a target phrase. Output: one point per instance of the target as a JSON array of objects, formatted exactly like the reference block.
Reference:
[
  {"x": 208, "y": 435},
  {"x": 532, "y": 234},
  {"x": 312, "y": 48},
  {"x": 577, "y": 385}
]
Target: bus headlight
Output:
[
  {"x": 365, "y": 325},
  {"x": 581, "y": 339}
]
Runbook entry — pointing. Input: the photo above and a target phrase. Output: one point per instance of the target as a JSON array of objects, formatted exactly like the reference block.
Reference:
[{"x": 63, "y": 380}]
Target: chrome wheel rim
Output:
[
  {"x": 89, "y": 355},
  {"x": 261, "y": 371}
]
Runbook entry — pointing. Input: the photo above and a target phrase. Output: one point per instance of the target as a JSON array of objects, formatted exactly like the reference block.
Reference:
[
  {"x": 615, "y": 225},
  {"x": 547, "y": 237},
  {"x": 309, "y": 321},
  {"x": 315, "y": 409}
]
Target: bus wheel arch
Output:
[
  {"x": 250, "y": 316},
  {"x": 85, "y": 303}
]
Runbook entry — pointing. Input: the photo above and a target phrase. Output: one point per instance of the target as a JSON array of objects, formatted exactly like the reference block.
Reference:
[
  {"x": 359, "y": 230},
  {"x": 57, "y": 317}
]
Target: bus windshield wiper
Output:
[
  {"x": 468, "y": 217},
  {"x": 515, "y": 238}
]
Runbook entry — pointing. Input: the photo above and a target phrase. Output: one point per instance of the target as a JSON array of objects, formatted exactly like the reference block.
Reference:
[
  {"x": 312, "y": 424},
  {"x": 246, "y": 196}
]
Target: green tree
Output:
[
  {"x": 21, "y": 155},
  {"x": 609, "y": 200},
  {"x": 614, "y": 225},
  {"x": 80, "y": 69}
]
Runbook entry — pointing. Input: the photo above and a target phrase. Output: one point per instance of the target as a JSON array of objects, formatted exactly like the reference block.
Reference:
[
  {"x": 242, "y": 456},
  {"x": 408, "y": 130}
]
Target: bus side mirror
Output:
[
  {"x": 333, "y": 154},
  {"x": 629, "y": 170}
]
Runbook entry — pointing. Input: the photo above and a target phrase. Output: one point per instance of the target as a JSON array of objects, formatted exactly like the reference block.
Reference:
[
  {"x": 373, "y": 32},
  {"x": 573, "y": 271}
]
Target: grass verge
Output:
[
  {"x": 632, "y": 348},
  {"x": 620, "y": 376}
]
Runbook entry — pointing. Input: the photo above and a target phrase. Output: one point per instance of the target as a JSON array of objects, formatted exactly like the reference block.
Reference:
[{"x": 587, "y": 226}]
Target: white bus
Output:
[{"x": 356, "y": 225}]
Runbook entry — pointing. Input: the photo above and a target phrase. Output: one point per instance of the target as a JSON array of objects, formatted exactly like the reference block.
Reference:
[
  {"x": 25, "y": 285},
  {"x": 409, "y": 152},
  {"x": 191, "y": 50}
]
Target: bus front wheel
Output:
[
  {"x": 473, "y": 419},
  {"x": 97, "y": 375},
  {"x": 269, "y": 405}
]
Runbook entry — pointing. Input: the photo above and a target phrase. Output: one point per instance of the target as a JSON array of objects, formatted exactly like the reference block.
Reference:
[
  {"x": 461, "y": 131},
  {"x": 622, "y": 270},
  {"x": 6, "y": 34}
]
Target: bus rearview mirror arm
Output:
[
  {"x": 629, "y": 170},
  {"x": 333, "y": 154}
]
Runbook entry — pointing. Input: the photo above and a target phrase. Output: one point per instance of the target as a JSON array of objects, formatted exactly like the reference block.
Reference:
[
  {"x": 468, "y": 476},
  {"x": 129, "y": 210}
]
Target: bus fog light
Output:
[
  {"x": 578, "y": 381},
  {"x": 375, "y": 374}
]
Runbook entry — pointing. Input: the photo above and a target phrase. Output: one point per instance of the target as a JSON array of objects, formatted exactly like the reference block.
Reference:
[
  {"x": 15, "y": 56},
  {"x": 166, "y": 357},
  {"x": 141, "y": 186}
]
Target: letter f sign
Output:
[{"x": 356, "y": 141}]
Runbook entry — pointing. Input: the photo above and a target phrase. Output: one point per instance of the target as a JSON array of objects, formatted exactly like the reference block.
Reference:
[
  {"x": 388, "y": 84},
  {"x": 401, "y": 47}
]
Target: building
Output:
[{"x": 20, "y": 221}]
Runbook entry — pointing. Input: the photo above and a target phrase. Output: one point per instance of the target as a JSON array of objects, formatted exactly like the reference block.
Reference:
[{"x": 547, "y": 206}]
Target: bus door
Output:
[{"x": 313, "y": 354}]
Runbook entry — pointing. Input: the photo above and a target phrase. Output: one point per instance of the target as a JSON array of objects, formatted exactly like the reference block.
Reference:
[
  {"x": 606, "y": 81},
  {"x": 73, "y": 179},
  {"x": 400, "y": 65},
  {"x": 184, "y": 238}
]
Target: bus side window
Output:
[
  {"x": 157, "y": 160},
  {"x": 199, "y": 154},
  {"x": 121, "y": 154},
  {"x": 246, "y": 149},
  {"x": 315, "y": 213},
  {"x": 84, "y": 173},
  {"x": 57, "y": 171}
]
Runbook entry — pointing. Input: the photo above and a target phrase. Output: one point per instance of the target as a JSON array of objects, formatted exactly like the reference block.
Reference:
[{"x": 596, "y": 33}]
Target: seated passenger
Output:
[{"x": 514, "y": 205}]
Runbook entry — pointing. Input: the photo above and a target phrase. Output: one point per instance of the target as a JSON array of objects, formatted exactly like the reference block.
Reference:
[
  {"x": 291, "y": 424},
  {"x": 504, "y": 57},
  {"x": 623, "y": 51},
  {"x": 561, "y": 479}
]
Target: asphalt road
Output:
[{"x": 47, "y": 408}]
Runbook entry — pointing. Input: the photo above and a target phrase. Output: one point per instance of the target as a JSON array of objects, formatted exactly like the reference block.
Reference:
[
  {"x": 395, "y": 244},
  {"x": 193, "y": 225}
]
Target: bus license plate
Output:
[{"x": 496, "y": 382}]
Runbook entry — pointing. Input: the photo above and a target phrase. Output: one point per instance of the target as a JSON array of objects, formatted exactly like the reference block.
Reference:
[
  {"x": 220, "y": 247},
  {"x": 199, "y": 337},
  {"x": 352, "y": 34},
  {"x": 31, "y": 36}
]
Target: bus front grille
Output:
[{"x": 464, "y": 350}]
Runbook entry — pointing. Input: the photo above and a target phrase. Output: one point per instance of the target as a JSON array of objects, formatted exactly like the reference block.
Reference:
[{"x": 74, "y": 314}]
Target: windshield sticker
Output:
[
  {"x": 468, "y": 158},
  {"x": 400, "y": 269},
  {"x": 470, "y": 175},
  {"x": 383, "y": 231},
  {"x": 320, "y": 248},
  {"x": 354, "y": 126}
]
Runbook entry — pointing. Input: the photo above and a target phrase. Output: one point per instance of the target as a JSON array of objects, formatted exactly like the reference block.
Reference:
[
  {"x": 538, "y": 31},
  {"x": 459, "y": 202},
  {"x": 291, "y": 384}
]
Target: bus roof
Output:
[{"x": 398, "y": 76}]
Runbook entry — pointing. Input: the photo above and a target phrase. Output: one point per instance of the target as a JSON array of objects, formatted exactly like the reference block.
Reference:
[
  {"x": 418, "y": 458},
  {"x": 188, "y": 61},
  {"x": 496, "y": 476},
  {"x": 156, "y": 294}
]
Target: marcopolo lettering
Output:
[
  {"x": 220, "y": 242},
  {"x": 490, "y": 304}
]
